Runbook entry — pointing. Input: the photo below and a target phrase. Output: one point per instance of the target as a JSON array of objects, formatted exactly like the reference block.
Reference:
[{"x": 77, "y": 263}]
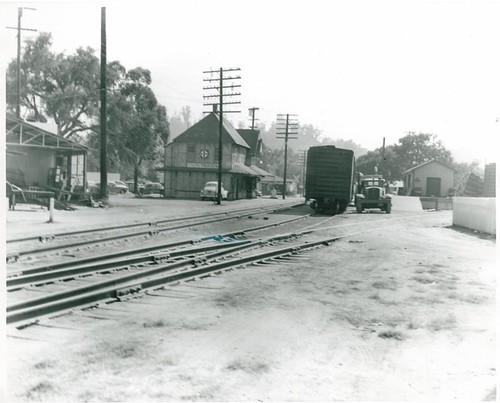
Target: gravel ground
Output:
[{"x": 406, "y": 312}]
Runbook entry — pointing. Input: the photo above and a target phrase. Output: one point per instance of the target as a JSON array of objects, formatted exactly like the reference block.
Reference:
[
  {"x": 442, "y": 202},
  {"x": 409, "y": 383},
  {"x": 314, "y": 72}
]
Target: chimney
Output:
[{"x": 214, "y": 108}]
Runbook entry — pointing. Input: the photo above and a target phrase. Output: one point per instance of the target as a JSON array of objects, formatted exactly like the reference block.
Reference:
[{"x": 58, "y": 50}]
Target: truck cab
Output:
[{"x": 371, "y": 193}]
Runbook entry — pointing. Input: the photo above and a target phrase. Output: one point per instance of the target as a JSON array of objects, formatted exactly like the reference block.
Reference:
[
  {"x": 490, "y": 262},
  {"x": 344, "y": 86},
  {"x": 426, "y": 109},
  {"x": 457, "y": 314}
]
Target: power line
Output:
[{"x": 221, "y": 91}]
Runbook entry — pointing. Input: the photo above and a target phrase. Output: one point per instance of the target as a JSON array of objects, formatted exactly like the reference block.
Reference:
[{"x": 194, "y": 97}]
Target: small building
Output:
[
  {"x": 192, "y": 159},
  {"x": 431, "y": 179},
  {"x": 39, "y": 159}
]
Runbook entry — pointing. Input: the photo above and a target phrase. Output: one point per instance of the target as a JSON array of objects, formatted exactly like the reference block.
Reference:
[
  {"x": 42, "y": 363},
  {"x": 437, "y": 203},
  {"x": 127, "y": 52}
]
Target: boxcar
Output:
[{"x": 329, "y": 178}]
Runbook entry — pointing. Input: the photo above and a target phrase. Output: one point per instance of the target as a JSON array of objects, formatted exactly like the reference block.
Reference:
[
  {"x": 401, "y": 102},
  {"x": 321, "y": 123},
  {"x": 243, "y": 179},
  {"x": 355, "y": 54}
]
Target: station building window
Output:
[{"x": 191, "y": 153}]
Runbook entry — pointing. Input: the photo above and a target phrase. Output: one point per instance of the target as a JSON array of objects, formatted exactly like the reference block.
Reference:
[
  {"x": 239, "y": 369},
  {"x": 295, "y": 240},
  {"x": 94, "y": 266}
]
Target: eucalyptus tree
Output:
[{"x": 55, "y": 86}]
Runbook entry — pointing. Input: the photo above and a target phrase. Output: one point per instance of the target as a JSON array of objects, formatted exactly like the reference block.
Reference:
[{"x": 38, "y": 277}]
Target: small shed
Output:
[
  {"x": 38, "y": 159},
  {"x": 432, "y": 178}
]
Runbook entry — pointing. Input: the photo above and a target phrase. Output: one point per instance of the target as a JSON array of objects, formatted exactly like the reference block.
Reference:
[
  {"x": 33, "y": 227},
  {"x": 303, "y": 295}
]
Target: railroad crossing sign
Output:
[{"x": 204, "y": 153}]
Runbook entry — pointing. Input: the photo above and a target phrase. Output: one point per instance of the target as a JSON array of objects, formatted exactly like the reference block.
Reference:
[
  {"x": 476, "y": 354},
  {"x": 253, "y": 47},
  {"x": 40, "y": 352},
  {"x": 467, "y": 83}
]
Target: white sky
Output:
[{"x": 359, "y": 70}]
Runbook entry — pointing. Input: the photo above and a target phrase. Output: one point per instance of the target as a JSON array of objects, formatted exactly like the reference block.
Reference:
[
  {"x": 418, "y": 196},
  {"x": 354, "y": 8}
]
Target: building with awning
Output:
[
  {"x": 191, "y": 160},
  {"x": 40, "y": 160}
]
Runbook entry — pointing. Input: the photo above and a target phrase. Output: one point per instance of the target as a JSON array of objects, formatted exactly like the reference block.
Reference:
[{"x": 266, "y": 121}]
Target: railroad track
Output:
[
  {"x": 111, "y": 278},
  {"x": 30, "y": 247}
]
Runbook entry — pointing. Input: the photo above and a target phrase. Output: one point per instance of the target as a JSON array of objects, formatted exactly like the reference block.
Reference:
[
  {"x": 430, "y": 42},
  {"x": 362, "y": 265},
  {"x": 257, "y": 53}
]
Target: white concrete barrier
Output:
[{"x": 477, "y": 213}]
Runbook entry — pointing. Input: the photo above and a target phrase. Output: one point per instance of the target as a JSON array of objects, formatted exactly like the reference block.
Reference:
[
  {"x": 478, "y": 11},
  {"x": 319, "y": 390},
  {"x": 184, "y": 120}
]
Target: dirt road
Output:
[{"x": 406, "y": 312}]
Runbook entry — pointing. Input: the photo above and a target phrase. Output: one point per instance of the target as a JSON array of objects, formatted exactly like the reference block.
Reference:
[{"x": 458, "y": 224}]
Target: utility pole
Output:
[
  {"x": 19, "y": 29},
  {"x": 251, "y": 112},
  {"x": 103, "y": 111},
  {"x": 224, "y": 89},
  {"x": 286, "y": 125},
  {"x": 383, "y": 158}
]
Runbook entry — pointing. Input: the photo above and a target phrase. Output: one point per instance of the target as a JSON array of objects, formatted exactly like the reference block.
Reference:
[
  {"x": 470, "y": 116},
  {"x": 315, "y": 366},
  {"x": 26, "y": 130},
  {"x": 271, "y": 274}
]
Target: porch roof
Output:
[{"x": 21, "y": 134}]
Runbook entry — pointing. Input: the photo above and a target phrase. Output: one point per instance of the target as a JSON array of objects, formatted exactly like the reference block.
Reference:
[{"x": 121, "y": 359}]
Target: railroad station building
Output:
[
  {"x": 191, "y": 160},
  {"x": 431, "y": 179},
  {"x": 38, "y": 159}
]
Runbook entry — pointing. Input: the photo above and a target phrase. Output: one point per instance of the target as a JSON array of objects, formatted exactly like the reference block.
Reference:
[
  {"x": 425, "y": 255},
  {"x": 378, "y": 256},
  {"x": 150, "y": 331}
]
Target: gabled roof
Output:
[
  {"x": 428, "y": 162},
  {"x": 251, "y": 137},
  {"x": 24, "y": 134},
  {"x": 207, "y": 131}
]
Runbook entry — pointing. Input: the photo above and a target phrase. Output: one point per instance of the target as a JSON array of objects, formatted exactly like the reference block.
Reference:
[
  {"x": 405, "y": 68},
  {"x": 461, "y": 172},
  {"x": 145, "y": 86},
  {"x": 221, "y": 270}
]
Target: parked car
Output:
[
  {"x": 153, "y": 188},
  {"x": 117, "y": 188},
  {"x": 130, "y": 185},
  {"x": 121, "y": 184},
  {"x": 209, "y": 191}
]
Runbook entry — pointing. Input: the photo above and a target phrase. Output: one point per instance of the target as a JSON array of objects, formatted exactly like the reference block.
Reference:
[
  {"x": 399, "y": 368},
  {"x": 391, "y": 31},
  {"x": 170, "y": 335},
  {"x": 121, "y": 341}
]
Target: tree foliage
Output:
[
  {"x": 138, "y": 123},
  {"x": 55, "y": 86},
  {"x": 414, "y": 149}
]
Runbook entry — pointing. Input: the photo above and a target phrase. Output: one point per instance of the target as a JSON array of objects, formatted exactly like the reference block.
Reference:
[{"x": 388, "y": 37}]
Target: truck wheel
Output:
[
  {"x": 388, "y": 209},
  {"x": 359, "y": 208}
]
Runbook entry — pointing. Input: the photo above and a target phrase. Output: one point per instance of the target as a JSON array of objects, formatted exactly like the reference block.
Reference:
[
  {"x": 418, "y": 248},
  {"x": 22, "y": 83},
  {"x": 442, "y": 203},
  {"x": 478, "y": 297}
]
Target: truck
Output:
[
  {"x": 371, "y": 193},
  {"x": 329, "y": 178}
]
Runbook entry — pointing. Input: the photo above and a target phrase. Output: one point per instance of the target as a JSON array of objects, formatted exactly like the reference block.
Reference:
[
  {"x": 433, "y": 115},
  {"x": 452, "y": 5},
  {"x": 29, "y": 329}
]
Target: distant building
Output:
[
  {"x": 192, "y": 159},
  {"x": 489, "y": 186},
  {"x": 432, "y": 179}
]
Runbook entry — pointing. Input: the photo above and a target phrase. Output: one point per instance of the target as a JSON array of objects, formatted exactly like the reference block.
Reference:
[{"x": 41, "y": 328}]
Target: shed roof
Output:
[
  {"x": 24, "y": 134},
  {"x": 207, "y": 130},
  {"x": 428, "y": 162}
]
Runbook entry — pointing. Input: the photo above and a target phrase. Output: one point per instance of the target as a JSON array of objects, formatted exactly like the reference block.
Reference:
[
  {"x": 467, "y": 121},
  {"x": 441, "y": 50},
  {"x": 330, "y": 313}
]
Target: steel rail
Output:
[
  {"x": 135, "y": 282},
  {"x": 134, "y": 234},
  {"x": 127, "y": 257},
  {"x": 149, "y": 223},
  {"x": 14, "y": 283}
]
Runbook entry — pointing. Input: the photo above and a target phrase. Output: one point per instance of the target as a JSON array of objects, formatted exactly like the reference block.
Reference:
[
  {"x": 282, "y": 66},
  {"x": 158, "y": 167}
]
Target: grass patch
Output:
[
  {"x": 430, "y": 300},
  {"x": 155, "y": 324},
  {"x": 413, "y": 325},
  {"x": 40, "y": 390},
  {"x": 380, "y": 300},
  {"x": 424, "y": 279},
  {"x": 444, "y": 323},
  {"x": 228, "y": 300},
  {"x": 248, "y": 366},
  {"x": 194, "y": 326},
  {"x": 383, "y": 285},
  {"x": 44, "y": 364},
  {"x": 391, "y": 334}
]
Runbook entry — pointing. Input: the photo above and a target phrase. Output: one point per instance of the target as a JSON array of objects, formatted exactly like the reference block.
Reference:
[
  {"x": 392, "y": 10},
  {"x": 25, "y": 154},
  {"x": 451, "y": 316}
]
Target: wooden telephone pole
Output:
[
  {"x": 103, "y": 110},
  {"x": 224, "y": 89},
  {"x": 287, "y": 126},
  {"x": 251, "y": 112},
  {"x": 19, "y": 29}
]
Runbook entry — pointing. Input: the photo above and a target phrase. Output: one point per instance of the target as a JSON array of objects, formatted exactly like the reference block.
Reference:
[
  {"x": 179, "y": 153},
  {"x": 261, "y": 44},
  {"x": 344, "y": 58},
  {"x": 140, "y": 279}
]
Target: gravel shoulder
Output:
[{"x": 406, "y": 312}]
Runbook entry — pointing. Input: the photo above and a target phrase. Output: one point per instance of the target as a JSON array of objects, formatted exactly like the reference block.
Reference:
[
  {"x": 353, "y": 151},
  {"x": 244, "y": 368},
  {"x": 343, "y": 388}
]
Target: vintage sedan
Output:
[{"x": 209, "y": 191}]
